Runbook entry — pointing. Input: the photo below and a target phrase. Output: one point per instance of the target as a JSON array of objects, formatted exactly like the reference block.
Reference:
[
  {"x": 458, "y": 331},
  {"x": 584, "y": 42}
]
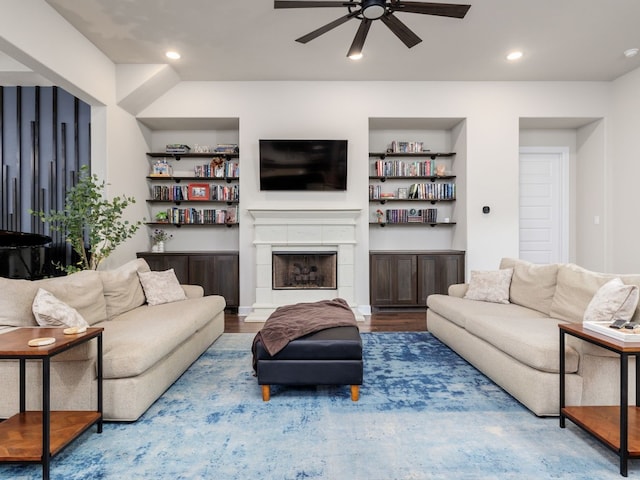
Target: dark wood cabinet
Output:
[
  {"x": 406, "y": 279},
  {"x": 217, "y": 272}
]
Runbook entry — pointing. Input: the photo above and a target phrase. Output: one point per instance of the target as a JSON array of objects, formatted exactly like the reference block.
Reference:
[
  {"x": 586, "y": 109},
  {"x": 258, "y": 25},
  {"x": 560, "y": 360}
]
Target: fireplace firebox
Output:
[{"x": 305, "y": 270}]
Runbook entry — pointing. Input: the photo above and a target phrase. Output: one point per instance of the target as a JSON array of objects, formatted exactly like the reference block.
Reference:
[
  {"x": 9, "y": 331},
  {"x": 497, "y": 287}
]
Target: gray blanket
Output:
[{"x": 294, "y": 321}]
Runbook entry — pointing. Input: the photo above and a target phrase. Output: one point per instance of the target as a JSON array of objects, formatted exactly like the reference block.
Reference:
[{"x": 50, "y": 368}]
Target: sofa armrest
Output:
[
  {"x": 458, "y": 290},
  {"x": 193, "y": 291}
]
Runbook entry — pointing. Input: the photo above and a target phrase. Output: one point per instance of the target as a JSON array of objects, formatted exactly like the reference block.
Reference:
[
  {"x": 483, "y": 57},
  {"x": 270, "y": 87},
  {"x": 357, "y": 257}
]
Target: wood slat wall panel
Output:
[{"x": 44, "y": 140}]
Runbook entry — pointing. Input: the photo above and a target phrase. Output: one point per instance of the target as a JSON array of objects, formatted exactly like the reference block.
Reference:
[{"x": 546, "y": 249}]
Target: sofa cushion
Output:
[
  {"x": 52, "y": 312},
  {"x": 82, "y": 291},
  {"x": 16, "y": 298},
  {"x": 459, "y": 310},
  {"x": 490, "y": 286},
  {"x": 576, "y": 287},
  {"x": 138, "y": 339},
  {"x": 122, "y": 289},
  {"x": 161, "y": 287},
  {"x": 532, "y": 341},
  {"x": 532, "y": 285},
  {"x": 613, "y": 300}
]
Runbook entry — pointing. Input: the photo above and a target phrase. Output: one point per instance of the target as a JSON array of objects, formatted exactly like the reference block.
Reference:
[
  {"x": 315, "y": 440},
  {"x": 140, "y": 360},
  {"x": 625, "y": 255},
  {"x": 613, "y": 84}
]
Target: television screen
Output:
[{"x": 303, "y": 164}]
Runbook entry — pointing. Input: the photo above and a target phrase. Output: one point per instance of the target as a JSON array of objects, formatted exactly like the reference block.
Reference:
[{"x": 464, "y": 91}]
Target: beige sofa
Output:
[
  {"x": 145, "y": 348},
  {"x": 517, "y": 344}
]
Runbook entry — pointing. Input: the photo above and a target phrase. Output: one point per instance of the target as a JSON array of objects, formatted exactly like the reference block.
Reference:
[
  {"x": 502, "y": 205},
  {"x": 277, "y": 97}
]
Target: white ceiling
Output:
[{"x": 250, "y": 40}]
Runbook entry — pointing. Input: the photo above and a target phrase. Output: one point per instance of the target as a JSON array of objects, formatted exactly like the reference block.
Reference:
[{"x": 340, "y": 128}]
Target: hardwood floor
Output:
[{"x": 396, "y": 321}]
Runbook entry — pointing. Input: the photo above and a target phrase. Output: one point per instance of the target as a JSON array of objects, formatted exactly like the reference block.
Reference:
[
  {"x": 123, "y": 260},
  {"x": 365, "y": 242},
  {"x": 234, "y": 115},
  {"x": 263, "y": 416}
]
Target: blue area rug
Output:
[{"x": 424, "y": 413}]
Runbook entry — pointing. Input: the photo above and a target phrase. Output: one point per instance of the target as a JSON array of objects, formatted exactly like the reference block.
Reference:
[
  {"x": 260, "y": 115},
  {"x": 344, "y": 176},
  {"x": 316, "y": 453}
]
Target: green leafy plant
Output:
[{"x": 92, "y": 225}]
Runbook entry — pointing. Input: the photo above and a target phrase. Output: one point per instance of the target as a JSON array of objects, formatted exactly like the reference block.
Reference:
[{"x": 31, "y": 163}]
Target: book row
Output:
[
  {"x": 218, "y": 170},
  {"x": 432, "y": 191},
  {"x": 404, "y": 168},
  {"x": 202, "y": 216},
  {"x": 179, "y": 192},
  {"x": 407, "y": 147},
  {"x": 403, "y": 215}
]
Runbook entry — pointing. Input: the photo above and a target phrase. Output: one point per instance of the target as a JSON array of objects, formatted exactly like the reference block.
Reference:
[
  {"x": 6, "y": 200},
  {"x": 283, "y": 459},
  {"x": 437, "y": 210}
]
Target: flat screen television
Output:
[{"x": 297, "y": 165}]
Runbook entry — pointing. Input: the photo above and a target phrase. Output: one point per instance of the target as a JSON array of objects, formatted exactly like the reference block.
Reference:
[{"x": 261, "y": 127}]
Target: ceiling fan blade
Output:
[
  {"x": 428, "y": 8},
  {"x": 361, "y": 36},
  {"x": 401, "y": 31},
  {"x": 305, "y": 4},
  {"x": 329, "y": 26}
]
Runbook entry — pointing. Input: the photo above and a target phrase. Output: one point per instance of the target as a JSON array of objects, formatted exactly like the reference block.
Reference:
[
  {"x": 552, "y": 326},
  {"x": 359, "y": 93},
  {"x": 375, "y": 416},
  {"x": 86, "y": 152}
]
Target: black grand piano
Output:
[{"x": 24, "y": 255}]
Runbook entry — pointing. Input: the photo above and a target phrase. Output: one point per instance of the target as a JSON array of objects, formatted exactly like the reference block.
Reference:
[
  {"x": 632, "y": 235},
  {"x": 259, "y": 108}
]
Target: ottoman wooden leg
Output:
[
  {"x": 355, "y": 392},
  {"x": 266, "y": 393}
]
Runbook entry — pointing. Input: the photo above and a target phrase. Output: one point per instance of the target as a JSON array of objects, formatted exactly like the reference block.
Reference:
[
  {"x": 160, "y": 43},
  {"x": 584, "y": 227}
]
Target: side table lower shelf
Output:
[
  {"x": 603, "y": 422},
  {"x": 21, "y": 435}
]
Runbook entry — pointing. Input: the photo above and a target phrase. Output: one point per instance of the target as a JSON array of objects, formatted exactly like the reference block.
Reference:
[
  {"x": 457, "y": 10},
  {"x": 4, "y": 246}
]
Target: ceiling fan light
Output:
[
  {"x": 631, "y": 52},
  {"x": 173, "y": 55},
  {"x": 373, "y": 9},
  {"x": 356, "y": 56}
]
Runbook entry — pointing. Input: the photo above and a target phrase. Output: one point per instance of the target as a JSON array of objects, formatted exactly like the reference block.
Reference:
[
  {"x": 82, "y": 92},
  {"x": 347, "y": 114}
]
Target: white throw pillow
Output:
[
  {"x": 490, "y": 286},
  {"x": 613, "y": 300},
  {"x": 161, "y": 287},
  {"x": 52, "y": 312}
]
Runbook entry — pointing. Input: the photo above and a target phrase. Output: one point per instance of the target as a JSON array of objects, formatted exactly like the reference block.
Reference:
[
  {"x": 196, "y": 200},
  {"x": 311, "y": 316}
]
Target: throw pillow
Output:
[
  {"x": 122, "y": 288},
  {"x": 490, "y": 286},
  {"x": 532, "y": 285},
  {"x": 161, "y": 287},
  {"x": 52, "y": 312},
  {"x": 613, "y": 300}
]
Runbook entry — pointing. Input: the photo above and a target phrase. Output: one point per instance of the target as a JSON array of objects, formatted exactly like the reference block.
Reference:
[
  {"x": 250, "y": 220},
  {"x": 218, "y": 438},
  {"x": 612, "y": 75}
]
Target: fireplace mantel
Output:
[
  {"x": 334, "y": 216},
  {"x": 319, "y": 229}
]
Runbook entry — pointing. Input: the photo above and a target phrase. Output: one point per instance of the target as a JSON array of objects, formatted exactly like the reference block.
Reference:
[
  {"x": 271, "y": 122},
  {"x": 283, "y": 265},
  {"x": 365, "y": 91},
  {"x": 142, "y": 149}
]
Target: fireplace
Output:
[
  {"x": 300, "y": 270},
  {"x": 328, "y": 234}
]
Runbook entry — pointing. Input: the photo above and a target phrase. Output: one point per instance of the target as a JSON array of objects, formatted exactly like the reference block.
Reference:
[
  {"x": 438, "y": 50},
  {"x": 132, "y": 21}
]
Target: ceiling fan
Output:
[{"x": 368, "y": 11}]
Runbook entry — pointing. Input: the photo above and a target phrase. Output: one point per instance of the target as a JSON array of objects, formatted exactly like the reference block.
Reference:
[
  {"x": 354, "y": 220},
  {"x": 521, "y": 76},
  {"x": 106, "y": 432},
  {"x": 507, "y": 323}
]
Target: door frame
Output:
[{"x": 564, "y": 153}]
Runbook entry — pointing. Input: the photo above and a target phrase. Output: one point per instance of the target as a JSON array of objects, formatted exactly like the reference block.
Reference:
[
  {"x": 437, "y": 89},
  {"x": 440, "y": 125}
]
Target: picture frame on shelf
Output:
[
  {"x": 199, "y": 191},
  {"x": 403, "y": 193}
]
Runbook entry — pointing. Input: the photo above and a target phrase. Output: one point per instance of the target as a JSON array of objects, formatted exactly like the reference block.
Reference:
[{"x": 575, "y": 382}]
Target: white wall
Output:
[
  {"x": 624, "y": 171},
  {"x": 342, "y": 110}
]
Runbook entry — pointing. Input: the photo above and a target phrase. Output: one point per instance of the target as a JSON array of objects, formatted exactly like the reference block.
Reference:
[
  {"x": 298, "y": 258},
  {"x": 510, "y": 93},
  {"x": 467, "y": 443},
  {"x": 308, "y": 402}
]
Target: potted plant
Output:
[
  {"x": 161, "y": 217},
  {"x": 92, "y": 225},
  {"x": 158, "y": 237}
]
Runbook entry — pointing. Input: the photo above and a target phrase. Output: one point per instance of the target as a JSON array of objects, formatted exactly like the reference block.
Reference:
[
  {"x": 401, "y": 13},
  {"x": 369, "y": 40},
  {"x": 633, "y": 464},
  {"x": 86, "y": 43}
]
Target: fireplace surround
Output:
[{"x": 300, "y": 231}]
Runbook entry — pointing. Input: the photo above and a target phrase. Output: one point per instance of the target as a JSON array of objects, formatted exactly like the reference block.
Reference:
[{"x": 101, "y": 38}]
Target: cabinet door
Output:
[
  {"x": 393, "y": 279},
  {"x": 160, "y": 262},
  {"x": 451, "y": 271},
  {"x": 436, "y": 272},
  {"x": 380, "y": 281},
  {"x": 406, "y": 292},
  {"x": 218, "y": 274},
  {"x": 428, "y": 281}
]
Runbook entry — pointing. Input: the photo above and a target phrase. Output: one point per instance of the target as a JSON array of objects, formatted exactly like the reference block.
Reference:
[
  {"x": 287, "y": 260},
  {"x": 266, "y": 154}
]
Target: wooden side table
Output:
[
  {"x": 617, "y": 427},
  {"x": 37, "y": 436}
]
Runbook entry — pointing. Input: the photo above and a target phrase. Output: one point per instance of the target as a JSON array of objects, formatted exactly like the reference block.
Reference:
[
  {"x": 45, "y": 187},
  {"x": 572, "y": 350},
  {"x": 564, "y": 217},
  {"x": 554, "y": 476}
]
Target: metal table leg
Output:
[{"x": 624, "y": 413}]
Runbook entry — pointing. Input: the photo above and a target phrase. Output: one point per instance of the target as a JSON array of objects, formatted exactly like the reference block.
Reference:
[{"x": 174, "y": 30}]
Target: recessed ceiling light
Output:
[
  {"x": 172, "y": 55},
  {"x": 514, "y": 55},
  {"x": 630, "y": 52},
  {"x": 355, "y": 56}
]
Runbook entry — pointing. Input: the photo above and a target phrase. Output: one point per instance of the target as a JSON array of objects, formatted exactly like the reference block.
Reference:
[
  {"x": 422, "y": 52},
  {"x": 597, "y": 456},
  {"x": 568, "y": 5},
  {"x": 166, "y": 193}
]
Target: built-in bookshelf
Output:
[
  {"x": 197, "y": 192},
  {"x": 406, "y": 177}
]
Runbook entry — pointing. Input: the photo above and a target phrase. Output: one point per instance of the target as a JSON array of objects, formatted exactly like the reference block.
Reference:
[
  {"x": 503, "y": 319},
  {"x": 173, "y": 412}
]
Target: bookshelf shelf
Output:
[{"x": 410, "y": 177}]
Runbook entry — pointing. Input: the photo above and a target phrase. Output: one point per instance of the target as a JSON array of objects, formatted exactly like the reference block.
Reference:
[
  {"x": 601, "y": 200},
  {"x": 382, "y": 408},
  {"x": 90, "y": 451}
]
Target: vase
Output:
[{"x": 160, "y": 247}]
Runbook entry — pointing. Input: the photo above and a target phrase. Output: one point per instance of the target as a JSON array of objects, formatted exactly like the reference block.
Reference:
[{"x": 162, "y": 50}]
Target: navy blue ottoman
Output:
[{"x": 329, "y": 357}]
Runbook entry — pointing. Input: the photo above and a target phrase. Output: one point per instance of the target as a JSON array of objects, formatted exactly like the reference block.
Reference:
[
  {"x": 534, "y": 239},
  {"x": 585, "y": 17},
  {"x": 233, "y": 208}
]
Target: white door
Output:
[{"x": 544, "y": 223}]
